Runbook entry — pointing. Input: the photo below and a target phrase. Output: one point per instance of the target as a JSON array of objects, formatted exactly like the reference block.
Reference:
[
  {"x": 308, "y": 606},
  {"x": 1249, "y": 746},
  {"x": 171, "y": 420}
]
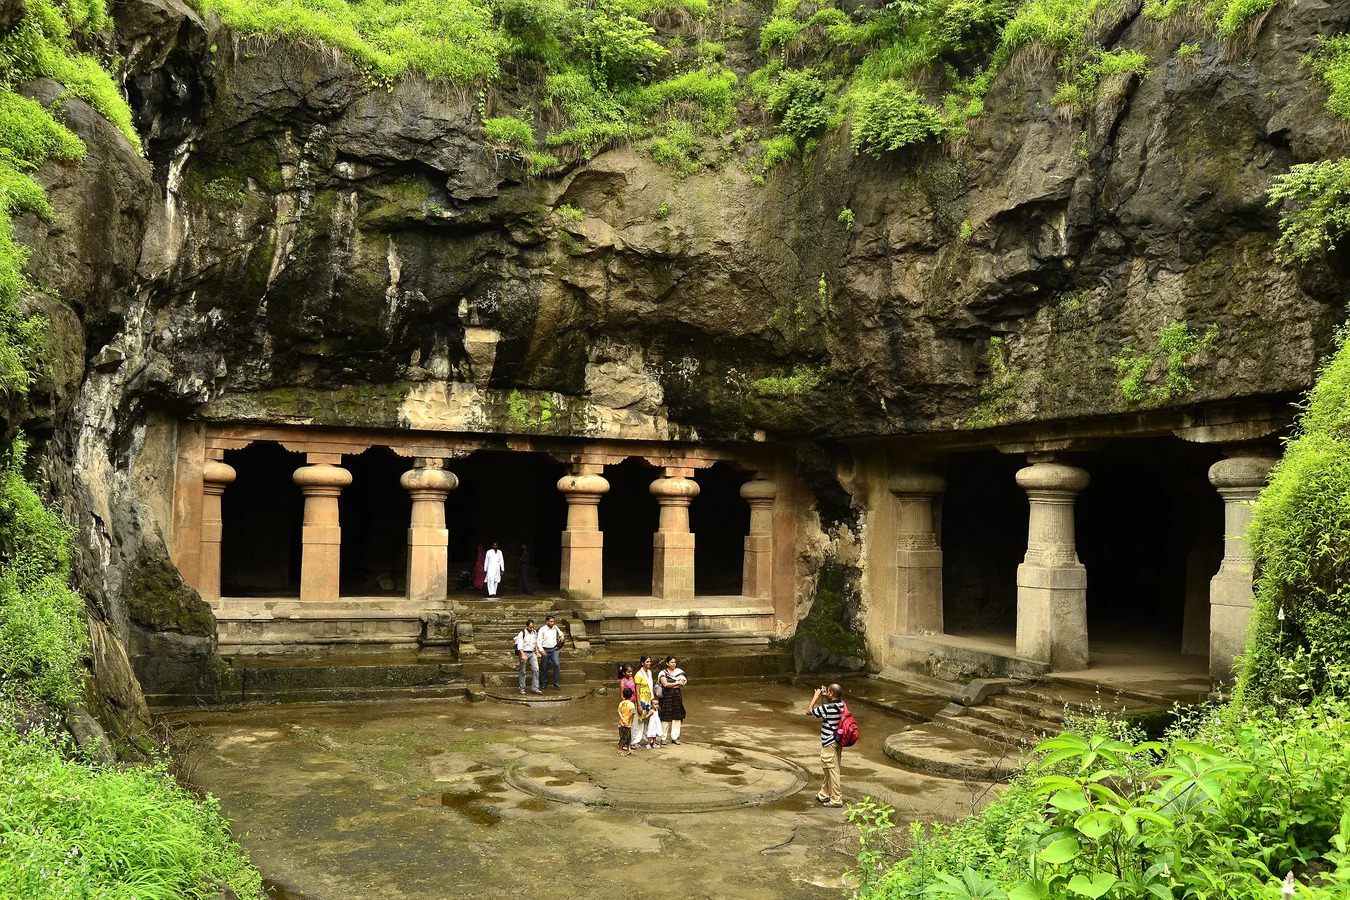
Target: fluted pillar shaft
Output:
[
  {"x": 583, "y": 542},
  {"x": 757, "y": 576},
  {"x": 1239, "y": 480},
  {"x": 918, "y": 558},
  {"x": 216, "y": 475},
  {"x": 1051, "y": 582},
  {"x": 673, "y": 543},
  {"x": 428, "y": 539},
  {"x": 321, "y": 536}
]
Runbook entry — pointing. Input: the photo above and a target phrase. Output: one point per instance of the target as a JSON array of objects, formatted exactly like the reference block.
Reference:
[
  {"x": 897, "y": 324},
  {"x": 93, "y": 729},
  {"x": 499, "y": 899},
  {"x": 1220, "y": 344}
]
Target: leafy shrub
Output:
[
  {"x": 570, "y": 213},
  {"x": 892, "y": 115},
  {"x": 800, "y": 101},
  {"x": 678, "y": 147},
  {"x": 1176, "y": 344},
  {"x": 509, "y": 132},
  {"x": 1318, "y": 215},
  {"x": 1300, "y": 538},
  {"x": 1100, "y": 66},
  {"x": 534, "y": 28},
  {"x": 73, "y": 829},
  {"x": 43, "y": 636},
  {"x": 708, "y": 92},
  {"x": 1331, "y": 60},
  {"x": 619, "y": 46},
  {"x": 1221, "y": 810},
  {"x": 778, "y": 149}
]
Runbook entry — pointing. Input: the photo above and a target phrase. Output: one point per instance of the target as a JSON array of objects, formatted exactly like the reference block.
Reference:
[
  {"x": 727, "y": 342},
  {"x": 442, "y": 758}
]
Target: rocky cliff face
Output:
[{"x": 302, "y": 246}]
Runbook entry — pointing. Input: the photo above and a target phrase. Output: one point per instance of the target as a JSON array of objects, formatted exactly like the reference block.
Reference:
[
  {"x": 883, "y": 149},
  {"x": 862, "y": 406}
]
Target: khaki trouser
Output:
[{"x": 829, "y": 762}]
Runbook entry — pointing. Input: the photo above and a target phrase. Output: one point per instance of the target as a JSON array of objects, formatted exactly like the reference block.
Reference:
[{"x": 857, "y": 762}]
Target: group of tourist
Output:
[
  {"x": 651, "y": 710},
  {"x": 539, "y": 645}
]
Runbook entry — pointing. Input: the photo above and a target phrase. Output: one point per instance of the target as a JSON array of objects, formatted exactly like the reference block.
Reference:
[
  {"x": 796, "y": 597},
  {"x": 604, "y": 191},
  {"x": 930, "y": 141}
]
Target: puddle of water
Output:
[
  {"x": 464, "y": 805},
  {"x": 562, "y": 779},
  {"x": 721, "y": 769}
]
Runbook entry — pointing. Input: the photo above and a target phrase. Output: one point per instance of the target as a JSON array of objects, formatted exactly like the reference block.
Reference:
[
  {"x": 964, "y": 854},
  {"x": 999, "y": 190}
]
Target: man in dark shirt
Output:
[
  {"x": 526, "y": 563},
  {"x": 829, "y": 713}
]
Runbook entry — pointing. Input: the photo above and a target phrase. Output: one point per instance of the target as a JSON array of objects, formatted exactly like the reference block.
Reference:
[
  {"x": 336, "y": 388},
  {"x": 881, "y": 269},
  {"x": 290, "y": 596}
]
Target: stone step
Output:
[
  {"x": 980, "y": 728},
  {"x": 1014, "y": 723},
  {"x": 1079, "y": 698},
  {"x": 944, "y": 753},
  {"x": 1033, "y": 709}
]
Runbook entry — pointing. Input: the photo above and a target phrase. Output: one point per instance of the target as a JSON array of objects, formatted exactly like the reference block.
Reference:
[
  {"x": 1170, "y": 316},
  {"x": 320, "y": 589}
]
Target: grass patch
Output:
[{"x": 75, "y": 829}]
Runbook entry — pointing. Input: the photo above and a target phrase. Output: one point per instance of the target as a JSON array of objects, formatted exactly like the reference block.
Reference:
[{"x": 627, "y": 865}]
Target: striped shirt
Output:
[{"x": 829, "y": 715}]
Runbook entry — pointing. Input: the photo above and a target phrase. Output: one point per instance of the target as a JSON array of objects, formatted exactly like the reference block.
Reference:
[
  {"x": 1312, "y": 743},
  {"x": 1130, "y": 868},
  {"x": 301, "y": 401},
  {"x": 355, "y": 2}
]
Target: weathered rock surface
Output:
[{"x": 309, "y": 248}]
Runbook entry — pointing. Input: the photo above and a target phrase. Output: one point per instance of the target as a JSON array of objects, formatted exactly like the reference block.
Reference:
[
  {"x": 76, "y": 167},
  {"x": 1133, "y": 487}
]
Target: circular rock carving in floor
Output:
[
  {"x": 512, "y": 694},
  {"x": 684, "y": 778}
]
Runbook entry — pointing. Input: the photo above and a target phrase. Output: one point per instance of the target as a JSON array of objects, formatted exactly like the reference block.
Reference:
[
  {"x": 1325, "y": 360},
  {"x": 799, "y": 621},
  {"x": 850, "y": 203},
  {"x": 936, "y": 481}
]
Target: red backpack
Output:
[{"x": 846, "y": 732}]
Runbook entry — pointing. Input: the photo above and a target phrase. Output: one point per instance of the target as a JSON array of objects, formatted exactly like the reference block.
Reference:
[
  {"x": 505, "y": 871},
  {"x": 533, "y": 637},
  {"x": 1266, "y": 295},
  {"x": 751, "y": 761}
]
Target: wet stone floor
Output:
[{"x": 455, "y": 799}]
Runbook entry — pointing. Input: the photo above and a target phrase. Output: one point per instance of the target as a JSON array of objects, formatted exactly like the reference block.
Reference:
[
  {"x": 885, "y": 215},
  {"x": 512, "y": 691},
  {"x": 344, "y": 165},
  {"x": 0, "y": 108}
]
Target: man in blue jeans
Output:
[
  {"x": 527, "y": 648},
  {"x": 550, "y": 642}
]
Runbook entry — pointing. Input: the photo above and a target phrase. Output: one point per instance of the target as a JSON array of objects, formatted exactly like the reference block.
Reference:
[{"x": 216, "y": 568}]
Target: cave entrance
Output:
[
  {"x": 261, "y": 514},
  {"x": 629, "y": 516},
  {"x": 512, "y": 498},
  {"x": 374, "y": 511},
  {"x": 720, "y": 520},
  {"x": 1150, "y": 533},
  {"x": 983, "y": 528}
]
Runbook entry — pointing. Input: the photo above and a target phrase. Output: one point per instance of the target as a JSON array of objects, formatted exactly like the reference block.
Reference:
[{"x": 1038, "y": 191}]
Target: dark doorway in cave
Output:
[
  {"x": 983, "y": 531},
  {"x": 1149, "y": 531},
  {"x": 720, "y": 520},
  {"x": 261, "y": 515},
  {"x": 375, "y": 511},
  {"x": 629, "y": 516},
  {"x": 510, "y": 497}
]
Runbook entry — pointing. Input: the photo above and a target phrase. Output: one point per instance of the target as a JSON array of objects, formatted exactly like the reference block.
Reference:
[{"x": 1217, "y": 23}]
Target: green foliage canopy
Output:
[{"x": 1300, "y": 538}]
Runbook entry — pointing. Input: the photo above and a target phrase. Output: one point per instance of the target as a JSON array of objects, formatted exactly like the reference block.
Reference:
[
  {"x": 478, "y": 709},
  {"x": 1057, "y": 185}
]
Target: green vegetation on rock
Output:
[
  {"x": 1300, "y": 535},
  {"x": 43, "y": 637},
  {"x": 1317, "y": 194},
  {"x": 1176, "y": 344},
  {"x": 73, "y": 828},
  {"x": 42, "y": 44}
]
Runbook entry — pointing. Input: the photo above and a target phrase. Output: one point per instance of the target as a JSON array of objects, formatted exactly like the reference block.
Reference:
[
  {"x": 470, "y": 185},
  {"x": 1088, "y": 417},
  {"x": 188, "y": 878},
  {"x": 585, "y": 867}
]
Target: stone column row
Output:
[
  {"x": 1051, "y": 581},
  {"x": 429, "y": 484}
]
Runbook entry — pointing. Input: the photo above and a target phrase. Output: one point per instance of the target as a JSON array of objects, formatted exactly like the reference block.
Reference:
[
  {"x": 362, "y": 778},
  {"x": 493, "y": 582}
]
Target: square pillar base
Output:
[
  {"x": 1230, "y": 610},
  {"x": 757, "y": 577},
  {"x": 1052, "y": 615},
  {"x": 428, "y": 563},
  {"x": 673, "y": 565},
  {"x": 919, "y": 591},
  {"x": 582, "y": 564}
]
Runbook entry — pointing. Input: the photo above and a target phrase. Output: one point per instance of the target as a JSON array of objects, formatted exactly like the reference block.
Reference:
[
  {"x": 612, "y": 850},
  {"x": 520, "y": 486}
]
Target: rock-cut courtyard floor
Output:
[{"x": 445, "y": 799}]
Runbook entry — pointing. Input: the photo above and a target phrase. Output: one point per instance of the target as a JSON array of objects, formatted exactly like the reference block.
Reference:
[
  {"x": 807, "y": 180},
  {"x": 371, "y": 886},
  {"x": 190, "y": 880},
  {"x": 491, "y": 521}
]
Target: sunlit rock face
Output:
[{"x": 301, "y": 247}]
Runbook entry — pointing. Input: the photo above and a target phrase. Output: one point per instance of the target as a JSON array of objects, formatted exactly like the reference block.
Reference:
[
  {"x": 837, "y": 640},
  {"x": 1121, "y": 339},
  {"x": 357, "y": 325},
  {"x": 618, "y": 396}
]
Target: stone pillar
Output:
[
  {"x": 582, "y": 542},
  {"x": 673, "y": 543},
  {"x": 757, "y": 577},
  {"x": 918, "y": 558},
  {"x": 321, "y": 538},
  {"x": 215, "y": 476},
  {"x": 428, "y": 538},
  {"x": 1051, "y": 582},
  {"x": 1239, "y": 480}
]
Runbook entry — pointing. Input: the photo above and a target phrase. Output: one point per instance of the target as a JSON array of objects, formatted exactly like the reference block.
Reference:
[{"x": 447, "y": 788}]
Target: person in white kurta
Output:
[{"x": 494, "y": 564}]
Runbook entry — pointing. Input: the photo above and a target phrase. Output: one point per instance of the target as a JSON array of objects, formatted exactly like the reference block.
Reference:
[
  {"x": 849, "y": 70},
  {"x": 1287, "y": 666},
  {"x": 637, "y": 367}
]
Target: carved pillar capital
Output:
[
  {"x": 322, "y": 479},
  {"x": 216, "y": 475}
]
